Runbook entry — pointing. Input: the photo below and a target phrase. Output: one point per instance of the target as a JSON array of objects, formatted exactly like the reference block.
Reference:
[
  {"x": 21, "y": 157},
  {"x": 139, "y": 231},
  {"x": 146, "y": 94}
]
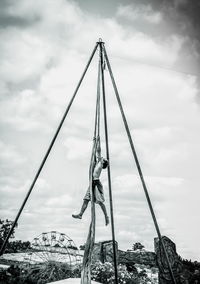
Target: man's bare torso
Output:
[{"x": 97, "y": 169}]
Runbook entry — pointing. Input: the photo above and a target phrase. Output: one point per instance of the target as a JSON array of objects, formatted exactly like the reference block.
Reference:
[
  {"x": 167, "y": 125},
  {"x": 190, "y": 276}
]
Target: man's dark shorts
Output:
[{"x": 98, "y": 192}]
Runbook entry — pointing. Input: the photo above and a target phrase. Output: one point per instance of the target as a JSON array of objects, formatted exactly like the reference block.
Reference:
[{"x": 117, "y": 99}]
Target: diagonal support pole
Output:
[
  {"x": 138, "y": 164},
  {"x": 48, "y": 152},
  {"x": 101, "y": 44}
]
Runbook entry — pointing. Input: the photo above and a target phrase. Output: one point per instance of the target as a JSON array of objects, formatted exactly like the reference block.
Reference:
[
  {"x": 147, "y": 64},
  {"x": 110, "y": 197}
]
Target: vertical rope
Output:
[
  {"x": 138, "y": 165},
  {"x": 97, "y": 118},
  {"x": 87, "y": 258}
]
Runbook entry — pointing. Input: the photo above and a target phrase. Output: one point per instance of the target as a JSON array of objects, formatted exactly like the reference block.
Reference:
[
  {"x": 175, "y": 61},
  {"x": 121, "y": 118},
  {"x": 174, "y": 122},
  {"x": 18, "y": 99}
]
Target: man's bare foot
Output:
[{"x": 77, "y": 216}]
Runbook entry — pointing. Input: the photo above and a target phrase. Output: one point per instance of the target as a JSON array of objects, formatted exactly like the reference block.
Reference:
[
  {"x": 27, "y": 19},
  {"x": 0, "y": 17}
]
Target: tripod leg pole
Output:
[
  {"x": 48, "y": 152},
  {"x": 138, "y": 165}
]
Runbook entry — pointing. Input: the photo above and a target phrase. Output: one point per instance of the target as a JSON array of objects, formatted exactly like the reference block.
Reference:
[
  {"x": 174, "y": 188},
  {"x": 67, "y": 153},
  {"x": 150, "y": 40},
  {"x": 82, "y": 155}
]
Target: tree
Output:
[
  {"x": 5, "y": 226},
  {"x": 82, "y": 247},
  {"x": 15, "y": 246},
  {"x": 137, "y": 246}
]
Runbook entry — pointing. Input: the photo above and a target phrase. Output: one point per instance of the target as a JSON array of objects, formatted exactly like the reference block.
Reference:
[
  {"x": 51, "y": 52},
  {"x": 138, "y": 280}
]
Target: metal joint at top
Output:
[{"x": 100, "y": 41}]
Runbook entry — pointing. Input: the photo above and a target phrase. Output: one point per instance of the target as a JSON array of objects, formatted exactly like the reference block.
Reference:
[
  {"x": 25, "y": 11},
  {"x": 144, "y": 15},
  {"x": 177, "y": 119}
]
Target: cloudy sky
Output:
[{"x": 154, "y": 50}]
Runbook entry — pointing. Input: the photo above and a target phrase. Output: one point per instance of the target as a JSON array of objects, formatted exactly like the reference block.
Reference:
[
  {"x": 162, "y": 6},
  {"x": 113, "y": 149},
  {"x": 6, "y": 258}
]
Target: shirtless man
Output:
[{"x": 97, "y": 187}]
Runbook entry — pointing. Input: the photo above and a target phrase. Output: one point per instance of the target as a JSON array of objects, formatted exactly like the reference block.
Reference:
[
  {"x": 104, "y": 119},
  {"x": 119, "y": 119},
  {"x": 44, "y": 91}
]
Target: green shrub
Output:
[{"x": 104, "y": 273}]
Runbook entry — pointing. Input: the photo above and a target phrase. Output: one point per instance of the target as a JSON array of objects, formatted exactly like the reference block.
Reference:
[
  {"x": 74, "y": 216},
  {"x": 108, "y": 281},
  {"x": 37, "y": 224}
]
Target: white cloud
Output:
[
  {"x": 61, "y": 201},
  {"x": 29, "y": 60},
  {"x": 77, "y": 149},
  {"x": 28, "y": 111},
  {"x": 128, "y": 188},
  {"x": 9, "y": 156},
  {"x": 141, "y": 13}
]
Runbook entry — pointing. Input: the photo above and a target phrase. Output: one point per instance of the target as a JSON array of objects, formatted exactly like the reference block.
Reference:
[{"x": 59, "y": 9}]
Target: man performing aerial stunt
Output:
[{"x": 97, "y": 187}]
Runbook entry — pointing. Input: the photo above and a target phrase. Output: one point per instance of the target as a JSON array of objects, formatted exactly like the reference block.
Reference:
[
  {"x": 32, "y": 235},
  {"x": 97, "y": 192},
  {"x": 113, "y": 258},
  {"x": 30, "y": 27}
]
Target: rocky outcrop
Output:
[
  {"x": 174, "y": 260},
  {"x": 103, "y": 251},
  {"x": 139, "y": 257}
]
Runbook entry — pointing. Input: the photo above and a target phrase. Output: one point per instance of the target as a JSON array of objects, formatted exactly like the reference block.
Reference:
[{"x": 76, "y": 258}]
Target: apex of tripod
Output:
[{"x": 100, "y": 41}]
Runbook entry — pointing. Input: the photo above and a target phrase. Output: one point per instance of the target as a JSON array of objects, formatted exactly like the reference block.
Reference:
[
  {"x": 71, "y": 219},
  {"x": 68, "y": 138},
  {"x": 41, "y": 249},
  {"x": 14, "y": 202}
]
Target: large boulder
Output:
[
  {"x": 174, "y": 260},
  {"x": 139, "y": 257},
  {"x": 103, "y": 251}
]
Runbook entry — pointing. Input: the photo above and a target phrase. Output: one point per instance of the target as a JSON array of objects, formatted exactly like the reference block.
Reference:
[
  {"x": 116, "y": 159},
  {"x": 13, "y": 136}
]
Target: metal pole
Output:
[
  {"x": 138, "y": 165},
  {"x": 48, "y": 151},
  {"x": 108, "y": 168}
]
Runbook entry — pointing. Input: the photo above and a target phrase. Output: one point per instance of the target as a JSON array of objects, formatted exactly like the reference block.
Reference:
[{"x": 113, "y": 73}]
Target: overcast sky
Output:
[{"x": 154, "y": 50}]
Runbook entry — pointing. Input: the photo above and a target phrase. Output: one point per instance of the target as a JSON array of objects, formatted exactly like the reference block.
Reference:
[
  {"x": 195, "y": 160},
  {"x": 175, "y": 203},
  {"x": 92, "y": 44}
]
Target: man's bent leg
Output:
[
  {"x": 83, "y": 208},
  {"x": 103, "y": 207}
]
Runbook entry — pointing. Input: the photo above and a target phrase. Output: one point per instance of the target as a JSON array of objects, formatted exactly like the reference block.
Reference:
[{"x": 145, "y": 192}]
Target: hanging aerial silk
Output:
[{"x": 87, "y": 258}]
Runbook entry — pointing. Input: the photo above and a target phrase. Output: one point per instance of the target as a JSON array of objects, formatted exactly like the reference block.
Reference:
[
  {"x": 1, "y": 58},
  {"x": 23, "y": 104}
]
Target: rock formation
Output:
[
  {"x": 174, "y": 259},
  {"x": 103, "y": 251},
  {"x": 140, "y": 257}
]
